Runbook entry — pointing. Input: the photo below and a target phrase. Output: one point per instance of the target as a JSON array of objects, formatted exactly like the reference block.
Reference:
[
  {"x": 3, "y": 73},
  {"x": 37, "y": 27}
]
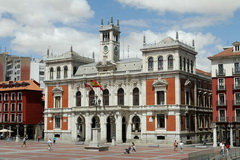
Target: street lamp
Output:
[{"x": 96, "y": 102}]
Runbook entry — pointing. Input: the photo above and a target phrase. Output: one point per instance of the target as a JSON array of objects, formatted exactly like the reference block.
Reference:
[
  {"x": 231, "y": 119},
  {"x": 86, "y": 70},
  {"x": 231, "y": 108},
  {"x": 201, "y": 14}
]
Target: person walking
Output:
[
  {"x": 54, "y": 140},
  {"x": 228, "y": 148},
  {"x": 175, "y": 145},
  {"x": 49, "y": 145},
  {"x": 222, "y": 148},
  {"x": 181, "y": 144},
  {"x": 133, "y": 147},
  {"x": 24, "y": 142},
  {"x": 38, "y": 138}
]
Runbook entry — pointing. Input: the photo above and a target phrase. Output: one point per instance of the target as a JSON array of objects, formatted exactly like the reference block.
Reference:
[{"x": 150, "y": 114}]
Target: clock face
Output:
[{"x": 105, "y": 49}]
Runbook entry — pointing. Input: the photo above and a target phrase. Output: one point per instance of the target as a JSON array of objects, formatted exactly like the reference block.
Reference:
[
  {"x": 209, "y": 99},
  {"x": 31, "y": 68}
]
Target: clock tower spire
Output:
[{"x": 110, "y": 41}]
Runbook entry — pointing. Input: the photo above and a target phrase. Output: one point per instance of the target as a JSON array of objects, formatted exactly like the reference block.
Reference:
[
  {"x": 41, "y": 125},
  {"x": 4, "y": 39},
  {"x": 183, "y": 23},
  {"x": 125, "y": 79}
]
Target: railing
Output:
[
  {"x": 221, "y": 119},
  {"x": 236, "y": 102},
  {"x": 220, "y": 87},
  {"x": 221, "y": 103},
  {"x": 220, "y": 72},
  {"x": 236, "y": 86},
  {"x": 236, "y": 71}
]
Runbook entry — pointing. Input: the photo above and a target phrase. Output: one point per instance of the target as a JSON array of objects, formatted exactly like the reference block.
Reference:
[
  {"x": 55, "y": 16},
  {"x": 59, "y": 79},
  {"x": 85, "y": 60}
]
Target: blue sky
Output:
[{"x": 29, "y": 28}]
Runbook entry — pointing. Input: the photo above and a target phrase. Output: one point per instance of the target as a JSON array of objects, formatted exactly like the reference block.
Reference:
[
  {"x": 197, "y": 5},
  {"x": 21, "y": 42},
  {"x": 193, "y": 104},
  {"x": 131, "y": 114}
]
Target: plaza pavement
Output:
[{"x": 72, "y": 151}]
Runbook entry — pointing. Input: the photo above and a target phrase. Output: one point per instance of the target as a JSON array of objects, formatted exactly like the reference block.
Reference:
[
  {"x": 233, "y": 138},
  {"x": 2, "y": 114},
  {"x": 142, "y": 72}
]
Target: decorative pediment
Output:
[
  {"x": 106, "y": 66},
  {"x": 160, "y": 83},
  {"x": 57, "y": 90},
  {"x": 188, "y": 83}
]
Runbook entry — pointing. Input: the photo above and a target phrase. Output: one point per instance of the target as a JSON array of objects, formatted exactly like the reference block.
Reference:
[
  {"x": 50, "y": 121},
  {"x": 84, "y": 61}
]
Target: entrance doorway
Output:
[{"x": 111, "y": 129}]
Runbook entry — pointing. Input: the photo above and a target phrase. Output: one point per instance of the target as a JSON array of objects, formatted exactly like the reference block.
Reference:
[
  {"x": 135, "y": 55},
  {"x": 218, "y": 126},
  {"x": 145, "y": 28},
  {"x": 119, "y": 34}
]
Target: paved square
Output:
[{"x": 63, "y": 151}]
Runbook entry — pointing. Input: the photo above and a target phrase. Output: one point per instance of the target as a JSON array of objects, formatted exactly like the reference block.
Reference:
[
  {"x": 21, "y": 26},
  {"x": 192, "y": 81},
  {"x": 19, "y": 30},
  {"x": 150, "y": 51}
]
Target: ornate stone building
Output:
[{"x": 154, "y": 99}]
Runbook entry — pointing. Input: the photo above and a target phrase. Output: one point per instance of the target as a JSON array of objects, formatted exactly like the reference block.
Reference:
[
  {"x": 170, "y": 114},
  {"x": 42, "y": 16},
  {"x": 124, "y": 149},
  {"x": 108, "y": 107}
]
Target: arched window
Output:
[
  {"x": 91, "y": 97},
  {"x": 51, "y": 73},
  {"x": 180, "y": 63},
  {"x": 170, "y": 62},
  {"x": 136, "y": 124},
  {"x": 184, "y": 64},
  {"x": 74, "y": 70},
  {"x": 78, "y": 98},
  {"x": 58, "y": 72},
  {"x": 160, "y": 63},
  {"x": 120, "y": 96},
  {"x": 191, "y": 66},
  {"x": 105, "y": 97},
  {"x": 188, "y": 69},
  {"x": 65, "y": 72},
  {"x": 135, "y": 96},
  {"x": 150, "y": 63}
]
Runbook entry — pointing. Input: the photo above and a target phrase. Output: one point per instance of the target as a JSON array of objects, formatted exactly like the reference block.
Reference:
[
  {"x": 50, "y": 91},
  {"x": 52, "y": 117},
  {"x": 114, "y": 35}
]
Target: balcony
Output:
[
  {"x": 236, "y": 71},
  {"x": 221, "y": 87},
  {"x": 221, "y": 103},
  {"x": 221, "y": 119},
  {"x": 220, "y": 72},
  {"x": 236, "y": 102},
  {"x": 236, "y": 86}
]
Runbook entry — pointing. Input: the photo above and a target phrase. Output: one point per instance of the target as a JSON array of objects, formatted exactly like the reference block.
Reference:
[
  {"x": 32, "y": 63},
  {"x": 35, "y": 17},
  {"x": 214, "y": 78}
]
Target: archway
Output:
[
  {"x": 124, "y": 130},
  {"x": 81, "y": 128},
  {"x": 111, "y": 128},
  {"x": 95, "y": 122}
]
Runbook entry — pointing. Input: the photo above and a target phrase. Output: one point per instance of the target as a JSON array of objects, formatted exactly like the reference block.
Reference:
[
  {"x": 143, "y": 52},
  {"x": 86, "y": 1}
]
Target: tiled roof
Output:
[
  {"x": 19, "y": 85},
  {"x": 203, "y": 72},
  {"x": 226, "y": 53}
]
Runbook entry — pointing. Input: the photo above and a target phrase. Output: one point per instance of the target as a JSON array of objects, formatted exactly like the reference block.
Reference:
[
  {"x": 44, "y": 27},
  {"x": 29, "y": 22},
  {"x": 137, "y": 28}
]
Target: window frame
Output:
[{"x": 159, "y": 118}]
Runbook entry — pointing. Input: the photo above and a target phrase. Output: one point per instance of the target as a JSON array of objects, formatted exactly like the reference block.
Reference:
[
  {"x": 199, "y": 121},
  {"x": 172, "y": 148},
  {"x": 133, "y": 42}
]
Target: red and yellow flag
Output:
[
  {"x": 96, "y": 84},
  {"x": 87, "y": 85}
]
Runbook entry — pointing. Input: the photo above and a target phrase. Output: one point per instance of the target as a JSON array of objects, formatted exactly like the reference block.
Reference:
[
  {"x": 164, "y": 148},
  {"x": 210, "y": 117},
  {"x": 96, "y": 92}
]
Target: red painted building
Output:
[
  {"x": 226, "y": 95},
  {"x": 21, "y": 108}
]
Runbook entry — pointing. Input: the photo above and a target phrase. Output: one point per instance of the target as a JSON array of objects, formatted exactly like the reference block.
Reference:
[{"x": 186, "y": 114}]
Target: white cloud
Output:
[{"x": 8, "y": 27}]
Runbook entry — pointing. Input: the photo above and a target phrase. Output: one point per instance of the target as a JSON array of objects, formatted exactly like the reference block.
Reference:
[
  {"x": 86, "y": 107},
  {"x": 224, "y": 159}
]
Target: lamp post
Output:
[{"x": 96, "y": 103}]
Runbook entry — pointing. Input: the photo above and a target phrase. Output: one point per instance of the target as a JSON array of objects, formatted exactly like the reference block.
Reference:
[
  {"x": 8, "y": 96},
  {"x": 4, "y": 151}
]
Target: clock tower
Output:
[{"x": 110, "y": 41}]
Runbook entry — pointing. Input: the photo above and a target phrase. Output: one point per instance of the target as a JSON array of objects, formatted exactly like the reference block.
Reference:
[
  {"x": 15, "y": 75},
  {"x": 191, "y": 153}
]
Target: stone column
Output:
[
  {"x": 214, "y": 128},
  {"x": 231, "y": 135},
  {"x": 25, "y": 130},
  {"x": 129, "y": 131},
  {"x": 10, "y": 128},
  {"x": 118, "y": 128},
  {"x": 178, "y": 122},
  {"x": 17, "y": 136},
  {"x": 103, "y": 127},
  {"x": 88, "y": 129}
]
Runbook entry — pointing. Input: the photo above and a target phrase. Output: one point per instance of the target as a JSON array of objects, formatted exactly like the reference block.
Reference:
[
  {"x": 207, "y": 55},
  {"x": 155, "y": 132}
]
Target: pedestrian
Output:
[
  {"x": 2, "y": 136},
  {"x": 49, "y": 145},
  {"x": 133, "y": 147},
  {"x": 222, "y": 148},
  {"x": 24, "y": 142},
  {"x": 181, "y": 144},
  {"x": 228, "y": 148},
  {"x": 175, "y": 145},
  {"x": 54, "y": 140},
  {"x": 38, "y": 138}
]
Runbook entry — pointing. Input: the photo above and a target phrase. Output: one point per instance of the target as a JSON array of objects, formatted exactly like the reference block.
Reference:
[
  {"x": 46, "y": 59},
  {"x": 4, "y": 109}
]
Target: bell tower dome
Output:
[{"x": 110, "y": 41}]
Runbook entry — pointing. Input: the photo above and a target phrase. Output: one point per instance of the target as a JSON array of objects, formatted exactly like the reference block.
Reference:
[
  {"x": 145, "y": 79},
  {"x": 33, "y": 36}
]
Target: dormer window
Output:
[{"x": 236, "y": 48}]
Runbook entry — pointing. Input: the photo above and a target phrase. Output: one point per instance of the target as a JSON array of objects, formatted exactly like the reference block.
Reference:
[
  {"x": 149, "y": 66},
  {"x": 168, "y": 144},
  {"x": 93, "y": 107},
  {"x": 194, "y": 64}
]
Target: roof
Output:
[
  {"x": 20, "y": 85},
  {"x": 226, "y": 53},
  {"x": 203, "y": 72}
]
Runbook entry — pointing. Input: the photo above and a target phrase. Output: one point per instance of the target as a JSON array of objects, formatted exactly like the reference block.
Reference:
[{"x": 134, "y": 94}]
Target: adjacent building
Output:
[
  {"x": 16, "y": 68},
  {"x": 226, "y": 95},
  {"x": 21, "y": 108},
  {"x": 158, "y": 98}
]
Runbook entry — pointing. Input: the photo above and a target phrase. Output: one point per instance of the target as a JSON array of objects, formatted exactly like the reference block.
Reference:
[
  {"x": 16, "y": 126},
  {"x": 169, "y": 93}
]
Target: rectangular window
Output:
[
  {"x": 12, "y": 117},
  {"x": 57, "y": 102},
  {"x": 5, "y": 117},
  {"x": 57, "y": 122},
  {"x": 160, "y": 121},
  {"x": 6, "y": 97},
  {"x": 221, "y": 84},
  {"x": 19, "y": 107},
  {"x": 13, "y": 96},
  {"x": 237, "y": 98},
  {"x": 19, "y": 118},
  {"x": 238, "y": 115},
  {"x": 222, "y": 116},
  {"x": 237, "y": 83},
  {"x": 19, "y": 96},
  {"x": 221, "y": 99},
  {"x": 13, "y": 108},
  {"x": 0, "y": 117},
  {"x": 0, "y": 96},
  {"x": 160, "y": 97},
  {"x": 220, "y": 70},
  {"x": 0, "y": 107},
  {"x": 6, "y": 107}
]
